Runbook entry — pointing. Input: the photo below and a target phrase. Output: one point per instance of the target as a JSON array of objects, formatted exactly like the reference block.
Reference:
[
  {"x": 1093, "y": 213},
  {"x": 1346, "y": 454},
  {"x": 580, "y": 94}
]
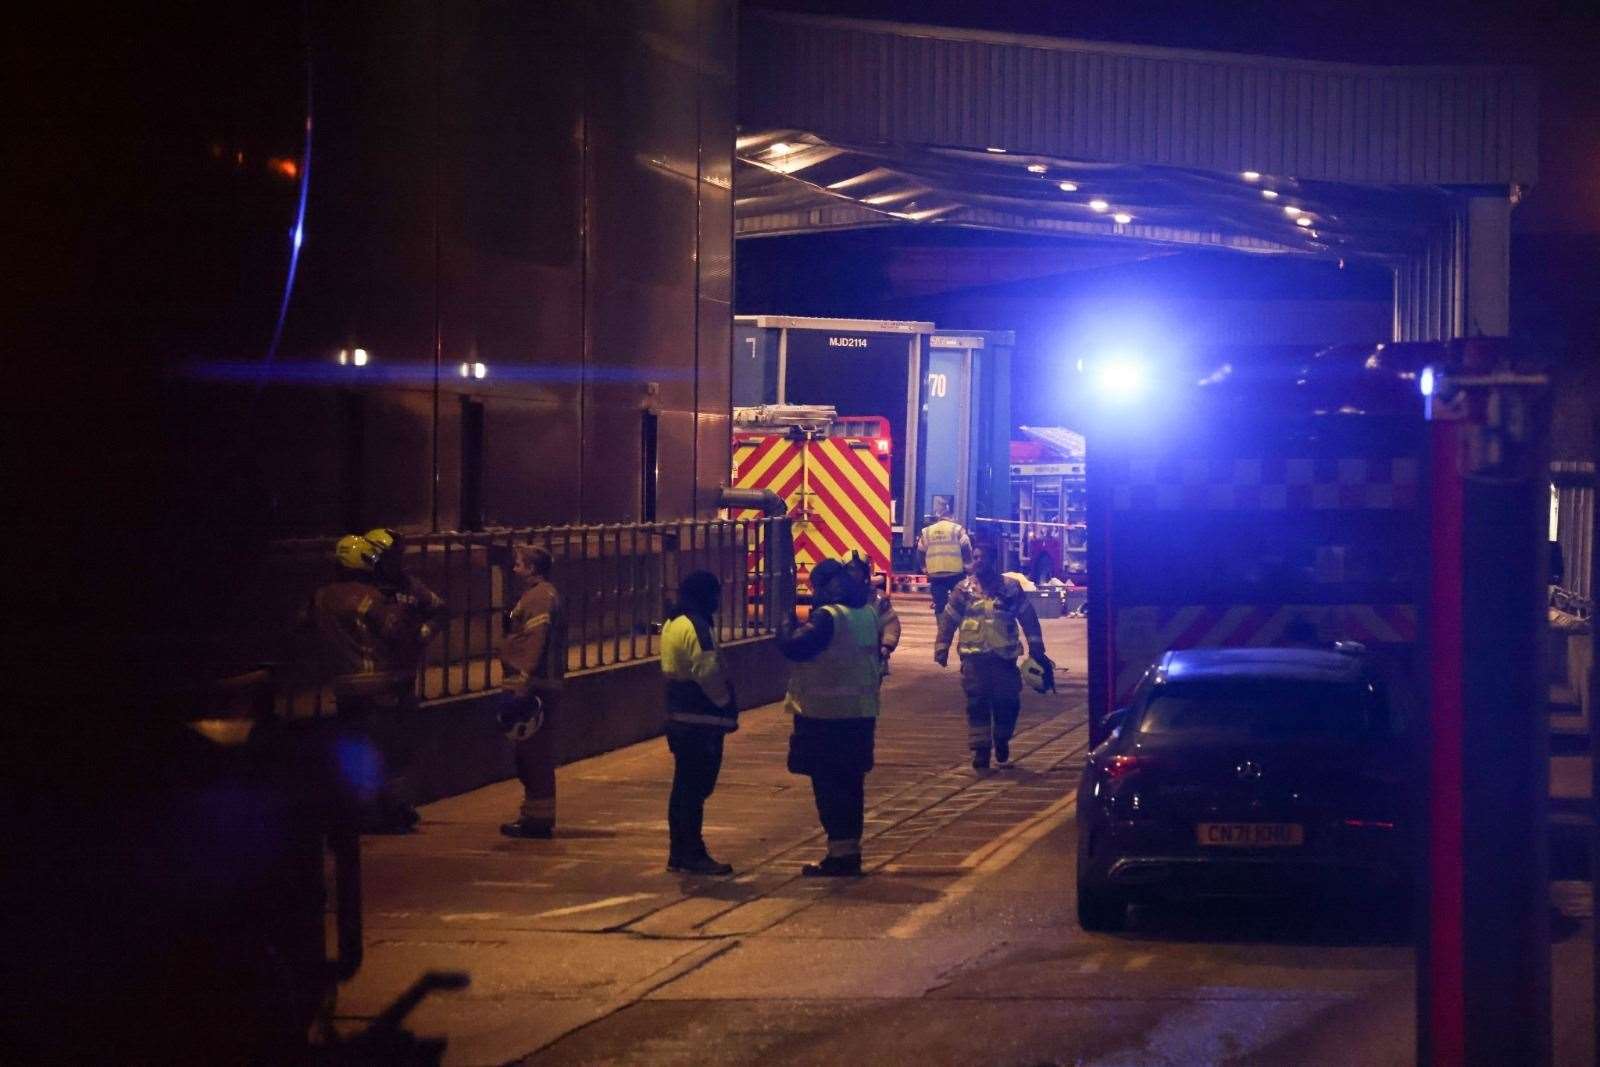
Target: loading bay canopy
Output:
[{"x": 848, "y": 124}]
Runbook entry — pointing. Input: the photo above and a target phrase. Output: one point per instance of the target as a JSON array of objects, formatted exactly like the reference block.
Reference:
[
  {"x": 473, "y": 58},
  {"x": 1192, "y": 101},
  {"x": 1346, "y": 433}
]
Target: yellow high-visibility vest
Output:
[
  {"x": 841, "y": 683},
  {"x": 942, "y": 548}
]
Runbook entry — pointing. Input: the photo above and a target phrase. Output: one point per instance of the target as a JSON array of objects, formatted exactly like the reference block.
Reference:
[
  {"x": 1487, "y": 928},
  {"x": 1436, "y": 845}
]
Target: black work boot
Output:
[
  {"x": 1002, "y": 753},
  {"x": 540, "y": 829},
  {"x": 980, "y": 759},
  {"x": 698, "y": 864},
  {"x": 834, "y": 867}
]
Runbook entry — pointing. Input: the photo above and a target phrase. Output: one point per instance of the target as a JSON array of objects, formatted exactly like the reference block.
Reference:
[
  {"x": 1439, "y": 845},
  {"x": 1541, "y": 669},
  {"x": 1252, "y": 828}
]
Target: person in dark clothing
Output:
[
  {"x": 701, "y": 711},
  {"x": 833, "y": 695}
]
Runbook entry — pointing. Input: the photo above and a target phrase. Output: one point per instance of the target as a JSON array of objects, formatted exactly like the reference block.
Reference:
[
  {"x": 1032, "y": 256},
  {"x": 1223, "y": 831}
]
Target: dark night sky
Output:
[{"x": 1561, "y": 40}]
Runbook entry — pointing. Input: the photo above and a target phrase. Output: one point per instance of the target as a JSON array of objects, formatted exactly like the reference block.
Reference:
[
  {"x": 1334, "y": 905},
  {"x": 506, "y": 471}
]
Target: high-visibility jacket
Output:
[
  {"x": 941, "y": 543},
  {"x": 988, "y": 623},
  {"x": 842, "y": 682},
  {"x": 698, "y": 693}
]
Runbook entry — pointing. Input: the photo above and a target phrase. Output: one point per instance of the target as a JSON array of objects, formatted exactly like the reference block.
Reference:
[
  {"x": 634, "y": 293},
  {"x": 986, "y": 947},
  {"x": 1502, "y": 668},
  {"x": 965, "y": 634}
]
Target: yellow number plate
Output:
[{"x": 1250, "y": 834}]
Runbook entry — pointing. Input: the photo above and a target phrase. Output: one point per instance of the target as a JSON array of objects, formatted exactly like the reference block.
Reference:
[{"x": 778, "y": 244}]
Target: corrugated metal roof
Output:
[
  {"x": 793, "y": 181},
  {"x": 867, "y": 82}
]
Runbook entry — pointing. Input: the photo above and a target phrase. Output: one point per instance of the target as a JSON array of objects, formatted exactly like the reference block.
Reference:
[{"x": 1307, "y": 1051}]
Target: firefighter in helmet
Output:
[
  {"x": 833, "y": 696},
  {"x": 946, "y": 552},
  {"x": 375, "y": 622},
  {"x": 991, "y": 614}
]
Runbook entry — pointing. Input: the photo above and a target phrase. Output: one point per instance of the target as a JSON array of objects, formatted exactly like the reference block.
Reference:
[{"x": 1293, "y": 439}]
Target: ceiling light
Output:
[
  {"x": 1067, "y": 187},
  {"x": 1123, "y": 217},
  {"x": 1270, "y": 194},
  {"x": 1290, "y": 210},
  {"x": 992, "y": 148},
  {"x": 782, "y": 148},
  {"x": 1037, "y": 168},
  {"x": 1251, "y": 175},
  {"x": 1098, "y": 205},
  {"x": 1303, "y": 220}
]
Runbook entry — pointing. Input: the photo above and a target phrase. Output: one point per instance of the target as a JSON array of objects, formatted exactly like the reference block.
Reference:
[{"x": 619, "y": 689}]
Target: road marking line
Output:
[
  {"x": 515, "y": 885},
  {"x": 608, "y": 902},
  {"x": 978, "y": 855},
  {"x": 985, "y": 862}
]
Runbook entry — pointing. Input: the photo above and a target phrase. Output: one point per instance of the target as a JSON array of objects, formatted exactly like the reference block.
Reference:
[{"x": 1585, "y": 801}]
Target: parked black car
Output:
[{"x": 1245, "y": 772}]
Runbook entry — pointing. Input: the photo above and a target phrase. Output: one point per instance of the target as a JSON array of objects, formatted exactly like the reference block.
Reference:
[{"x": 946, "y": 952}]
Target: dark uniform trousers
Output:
[
  {"x": 697, "y": 760},
  {"x": 536, "y": 764},
  {"x": 939, "y": 587},
  {"x": 836, "y": 755},
  {"x": 993, "y": 686},
  {"x": 373, "y": 726}
]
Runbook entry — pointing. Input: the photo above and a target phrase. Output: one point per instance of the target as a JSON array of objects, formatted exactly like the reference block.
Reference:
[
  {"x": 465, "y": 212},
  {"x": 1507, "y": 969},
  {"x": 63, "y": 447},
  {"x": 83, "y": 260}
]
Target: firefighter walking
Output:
[
  {"x": 984, "y": 614},
  {"x": 533, "y": 660},
  {"x": 701, "y": 711},
  {"x": 374, "y": 623},
  {"x": 946, "y": 551},
  {"x": 833, "y": 696}
]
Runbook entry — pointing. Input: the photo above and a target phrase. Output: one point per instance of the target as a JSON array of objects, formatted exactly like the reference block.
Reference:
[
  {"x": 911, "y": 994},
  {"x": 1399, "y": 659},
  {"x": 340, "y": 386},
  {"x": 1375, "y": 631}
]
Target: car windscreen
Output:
[{"x": 1262, "y": 710}]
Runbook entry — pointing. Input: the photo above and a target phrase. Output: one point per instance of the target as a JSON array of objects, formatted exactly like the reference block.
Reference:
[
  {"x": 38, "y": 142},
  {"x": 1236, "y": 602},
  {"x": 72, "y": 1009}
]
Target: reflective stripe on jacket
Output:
[
  {"x": 698, "y": 693},
  {"x": 842, "y": 682},
  {"x": 941, "y": 548}
]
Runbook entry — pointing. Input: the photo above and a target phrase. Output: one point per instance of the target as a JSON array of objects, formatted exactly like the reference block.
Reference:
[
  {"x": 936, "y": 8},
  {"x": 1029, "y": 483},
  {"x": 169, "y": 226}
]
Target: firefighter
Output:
[
  {"x": 701, "y": 711},
  {"x": 987, "y": 610},
  {"x": 533, "y": 659},
  {"x": 883, "y": 607},
  {"x": 374, "y": 624},
  {"x": 833, "y": 695},
  {"x": 946, "y": 553}
]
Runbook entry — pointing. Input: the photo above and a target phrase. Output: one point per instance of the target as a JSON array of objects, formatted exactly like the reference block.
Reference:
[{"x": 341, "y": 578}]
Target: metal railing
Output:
[{"x": 615, "y": 581}]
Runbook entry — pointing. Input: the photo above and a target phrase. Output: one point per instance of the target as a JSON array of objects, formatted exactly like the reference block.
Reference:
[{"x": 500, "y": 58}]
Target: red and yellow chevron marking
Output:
[
  {"x": 1142, "y": 634},
  {"x": 837, "y": 489}
]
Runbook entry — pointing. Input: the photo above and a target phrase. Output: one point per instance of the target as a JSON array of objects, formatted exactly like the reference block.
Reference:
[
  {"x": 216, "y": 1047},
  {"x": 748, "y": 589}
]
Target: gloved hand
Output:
[
  {"x": 941, "y": 656},
  {"x": 1049, "y": 671}
]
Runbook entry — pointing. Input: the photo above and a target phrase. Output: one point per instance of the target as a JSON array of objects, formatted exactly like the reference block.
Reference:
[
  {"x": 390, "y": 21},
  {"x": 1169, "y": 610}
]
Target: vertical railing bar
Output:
[
  {"x": 616, "y": 599},
  {"x": 588, "y": 595}
]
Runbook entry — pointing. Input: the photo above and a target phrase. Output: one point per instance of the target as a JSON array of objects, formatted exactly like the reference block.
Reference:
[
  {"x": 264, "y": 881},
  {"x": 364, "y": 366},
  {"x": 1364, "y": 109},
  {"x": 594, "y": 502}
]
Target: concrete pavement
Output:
[{"x": 559, "y": 933}]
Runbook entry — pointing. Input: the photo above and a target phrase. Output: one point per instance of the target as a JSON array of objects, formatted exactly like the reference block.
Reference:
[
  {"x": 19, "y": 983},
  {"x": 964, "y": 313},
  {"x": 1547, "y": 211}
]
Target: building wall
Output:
[{"x": 538, "y": 188}]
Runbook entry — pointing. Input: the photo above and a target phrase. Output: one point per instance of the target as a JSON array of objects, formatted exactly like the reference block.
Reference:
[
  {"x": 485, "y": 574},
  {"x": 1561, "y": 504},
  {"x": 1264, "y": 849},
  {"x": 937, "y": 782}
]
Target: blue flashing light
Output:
[
  {"x": 1425, "y": 381},
  {"x": 1120, "y": 378}
]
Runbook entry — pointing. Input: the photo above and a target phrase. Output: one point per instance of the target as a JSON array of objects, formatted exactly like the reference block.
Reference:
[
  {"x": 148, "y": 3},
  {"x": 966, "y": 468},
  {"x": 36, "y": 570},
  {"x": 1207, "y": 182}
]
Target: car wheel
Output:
[{"x": 1100, "y": 911}]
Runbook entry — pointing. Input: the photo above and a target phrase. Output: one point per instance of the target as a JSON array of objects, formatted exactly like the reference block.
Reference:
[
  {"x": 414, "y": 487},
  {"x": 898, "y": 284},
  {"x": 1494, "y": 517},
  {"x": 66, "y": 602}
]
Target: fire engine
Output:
[
  {"x": 832, "y": 470},
  {"x": 1253, "y": 514}
]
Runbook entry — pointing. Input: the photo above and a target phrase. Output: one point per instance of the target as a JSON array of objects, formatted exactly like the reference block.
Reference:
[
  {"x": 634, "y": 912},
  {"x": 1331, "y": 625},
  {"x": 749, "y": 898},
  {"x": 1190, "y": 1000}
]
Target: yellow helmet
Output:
[
  {"x": 357, "y": 553},
  {"x": 382, "y": 538}
]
